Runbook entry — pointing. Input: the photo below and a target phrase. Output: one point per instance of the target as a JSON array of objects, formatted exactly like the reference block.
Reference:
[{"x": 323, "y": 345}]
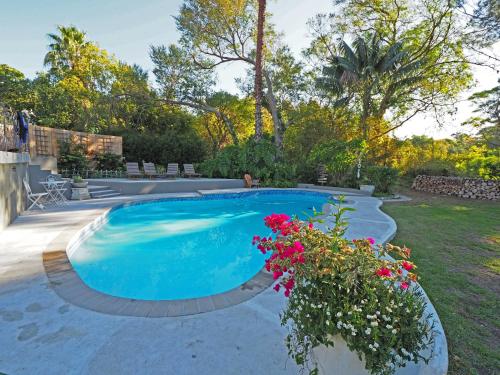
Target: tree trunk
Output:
[
  {"x": 273, "y": 108},
  {"x": 258, "y": 70}
]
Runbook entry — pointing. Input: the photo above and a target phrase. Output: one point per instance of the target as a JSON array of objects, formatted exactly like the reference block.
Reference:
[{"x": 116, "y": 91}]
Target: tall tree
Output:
[
  {"x": 217, "y": 32},
  {"x": 430, "y": 32},
  {"x": 369, "y": 77},
  {"x": 258, "y": 69},
  {"x": 183, "y": 83}
]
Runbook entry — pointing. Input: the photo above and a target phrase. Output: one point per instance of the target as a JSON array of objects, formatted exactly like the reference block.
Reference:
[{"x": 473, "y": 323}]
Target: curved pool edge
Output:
[{"x": 66, "y": 282}]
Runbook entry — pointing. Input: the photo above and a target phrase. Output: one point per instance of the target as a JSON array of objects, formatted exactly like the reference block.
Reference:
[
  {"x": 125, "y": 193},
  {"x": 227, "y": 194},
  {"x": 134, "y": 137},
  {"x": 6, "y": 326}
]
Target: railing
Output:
[
  {"x": 9, "y": 132},
  {"x": 92, "y": 173}
]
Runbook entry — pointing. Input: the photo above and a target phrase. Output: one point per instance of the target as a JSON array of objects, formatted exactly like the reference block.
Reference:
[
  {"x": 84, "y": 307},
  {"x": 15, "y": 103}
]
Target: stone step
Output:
[
  {"x": 97, "y": 188},
  {"x": 102, "y": 192},
  {"x": 107, "y": 195}
]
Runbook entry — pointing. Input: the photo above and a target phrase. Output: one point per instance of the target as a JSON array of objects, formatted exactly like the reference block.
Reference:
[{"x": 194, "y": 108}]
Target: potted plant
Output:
[
  {"x": 78, "y": 182},
  {"x": 345, "y": 297},
  {"x": 367, "y": 186}
]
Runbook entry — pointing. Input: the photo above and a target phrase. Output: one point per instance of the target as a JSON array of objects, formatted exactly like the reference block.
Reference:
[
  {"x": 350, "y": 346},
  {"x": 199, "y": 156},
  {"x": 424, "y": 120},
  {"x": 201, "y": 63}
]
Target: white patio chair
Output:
[
  {"x": 34, "y": 198},
  {"x": 56, "y": 189}
]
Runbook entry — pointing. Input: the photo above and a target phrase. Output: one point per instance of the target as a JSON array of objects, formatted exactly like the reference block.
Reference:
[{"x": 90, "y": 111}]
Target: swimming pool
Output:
[{"x": 184, "y": 248}]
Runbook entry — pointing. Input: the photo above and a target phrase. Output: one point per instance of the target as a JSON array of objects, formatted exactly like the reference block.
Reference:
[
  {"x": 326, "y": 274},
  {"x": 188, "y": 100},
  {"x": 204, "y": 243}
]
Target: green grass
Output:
[{"x": 456, "y": 246}]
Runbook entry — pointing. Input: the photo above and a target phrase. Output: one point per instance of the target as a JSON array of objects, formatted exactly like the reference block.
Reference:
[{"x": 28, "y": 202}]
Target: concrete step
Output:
[
  {"x": 97, "y": 188},
  {"x": 102, "y": 191},
  {"x": 107, "y": 195}
]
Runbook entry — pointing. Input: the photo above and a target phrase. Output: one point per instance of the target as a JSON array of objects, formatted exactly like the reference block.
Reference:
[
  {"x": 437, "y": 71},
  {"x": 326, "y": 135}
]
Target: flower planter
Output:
[
  {"x": 79, "y": 185},
  {"x": 339, "y": 359},
  {"x": 367, "y": 188}
]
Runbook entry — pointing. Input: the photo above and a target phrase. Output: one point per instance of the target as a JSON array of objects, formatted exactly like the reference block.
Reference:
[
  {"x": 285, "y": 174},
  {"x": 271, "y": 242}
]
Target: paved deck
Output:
[
  {"x": 40, "y": 333},
  {"x": 129, "y": 186}
]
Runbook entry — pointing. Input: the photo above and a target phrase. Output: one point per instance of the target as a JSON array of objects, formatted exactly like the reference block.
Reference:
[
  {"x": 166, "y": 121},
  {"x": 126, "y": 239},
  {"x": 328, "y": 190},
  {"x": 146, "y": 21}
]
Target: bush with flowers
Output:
[{"x": 347, "y": 288}]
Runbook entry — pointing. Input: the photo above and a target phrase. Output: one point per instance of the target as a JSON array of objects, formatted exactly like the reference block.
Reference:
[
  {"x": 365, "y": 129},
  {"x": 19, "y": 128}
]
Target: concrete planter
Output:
[
  {"x": 340, "y": 360},
  {"x": 367, "y": 188},
  {"x": 79, "y": 185},
  {"x": 79, "y": 191}
]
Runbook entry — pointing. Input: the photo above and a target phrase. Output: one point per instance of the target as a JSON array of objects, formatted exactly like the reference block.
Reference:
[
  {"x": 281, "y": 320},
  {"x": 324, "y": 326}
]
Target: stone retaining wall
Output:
[
  {"x": 474, "y": 188},
  {"x": 13, "y": 169}
]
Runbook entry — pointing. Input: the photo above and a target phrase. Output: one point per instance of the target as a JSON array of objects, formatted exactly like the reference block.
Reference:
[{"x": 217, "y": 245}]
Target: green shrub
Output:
[
  {"x": 163, "y": 148},
  {"x": 72, "y": 157},
  {"x": 108, "y": 162},
  {"x": 339, "y": 159},
  {"x": 259, "y": 159},
  {"x": 383, "y": 178}
]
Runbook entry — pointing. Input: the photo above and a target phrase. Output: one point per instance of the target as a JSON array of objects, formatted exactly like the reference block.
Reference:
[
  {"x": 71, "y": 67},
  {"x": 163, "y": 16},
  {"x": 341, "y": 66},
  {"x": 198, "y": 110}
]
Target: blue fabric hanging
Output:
[{"x": 23, "y": 128}]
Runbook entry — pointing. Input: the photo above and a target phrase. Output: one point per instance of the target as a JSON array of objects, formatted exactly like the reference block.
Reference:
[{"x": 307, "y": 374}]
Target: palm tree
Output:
[
  {"x": 370, "y": 74},
  {"x": 258, "y": 69},
  {"x": 65, "y": 49}
]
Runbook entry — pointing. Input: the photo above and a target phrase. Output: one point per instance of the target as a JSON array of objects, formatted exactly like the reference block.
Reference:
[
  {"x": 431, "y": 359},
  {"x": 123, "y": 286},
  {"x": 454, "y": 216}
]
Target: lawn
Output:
[{"x": 456, "y": 246}]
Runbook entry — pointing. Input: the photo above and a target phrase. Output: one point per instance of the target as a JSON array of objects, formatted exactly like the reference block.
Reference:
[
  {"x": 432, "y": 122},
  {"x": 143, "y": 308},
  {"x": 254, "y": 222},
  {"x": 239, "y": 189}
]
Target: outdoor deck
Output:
[
  {"x": 127, "y": 186},
  {"x": 43, "y": 333}
]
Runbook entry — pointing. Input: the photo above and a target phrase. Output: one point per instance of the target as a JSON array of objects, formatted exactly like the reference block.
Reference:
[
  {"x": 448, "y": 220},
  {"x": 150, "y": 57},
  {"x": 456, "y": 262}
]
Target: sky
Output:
[{"x": 127, "y": 28}]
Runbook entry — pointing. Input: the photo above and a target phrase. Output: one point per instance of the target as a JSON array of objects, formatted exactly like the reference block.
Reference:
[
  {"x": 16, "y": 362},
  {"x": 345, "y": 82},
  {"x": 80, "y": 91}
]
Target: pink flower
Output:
[
  {"x": 384, "y": 272},
  {"x": 287, "y": 293},
  {"x": 311, "y": 226},
  {"x": 371, "y": 240},
  {"x": 407, "y": 265},
  {"x": 298, "y": 247},
  {"x": 404, "y": 285},
  {"x": 277, "y": 287},
  {"x": 277, "y": 274}
]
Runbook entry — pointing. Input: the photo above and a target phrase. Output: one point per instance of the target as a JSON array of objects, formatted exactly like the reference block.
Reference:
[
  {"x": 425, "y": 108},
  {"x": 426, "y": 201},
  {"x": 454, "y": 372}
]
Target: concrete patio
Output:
[{"x": 43, "y": 334}]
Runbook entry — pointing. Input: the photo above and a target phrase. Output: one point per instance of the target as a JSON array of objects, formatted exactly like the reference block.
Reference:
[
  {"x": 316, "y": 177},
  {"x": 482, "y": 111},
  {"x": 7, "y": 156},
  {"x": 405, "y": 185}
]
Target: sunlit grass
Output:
[{"x": 456, "y": 246}]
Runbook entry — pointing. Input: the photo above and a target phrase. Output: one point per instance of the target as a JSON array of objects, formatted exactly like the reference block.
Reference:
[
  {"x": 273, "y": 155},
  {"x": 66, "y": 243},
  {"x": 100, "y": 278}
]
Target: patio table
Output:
[{"x": 55, "y": 190}]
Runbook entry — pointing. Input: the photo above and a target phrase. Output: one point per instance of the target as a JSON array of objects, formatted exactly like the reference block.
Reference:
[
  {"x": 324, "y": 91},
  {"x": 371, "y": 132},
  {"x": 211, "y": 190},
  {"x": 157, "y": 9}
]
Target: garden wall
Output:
[
  {"x": 474, "y": 188},
  {"x": 13, "y": 169}
]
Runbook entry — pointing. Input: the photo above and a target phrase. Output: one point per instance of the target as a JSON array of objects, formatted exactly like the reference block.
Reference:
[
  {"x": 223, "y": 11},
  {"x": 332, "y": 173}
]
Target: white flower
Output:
[
  {"x": 389, "y": 326},
  {"x": 339, "y": 324},
  {"x": 375, "y": 344},
  {"x": 394, "y": 331},
  {"x": 353, "y": 333},
  {"x": 327, "y": 322},
  {"x": 349, "y": 313},
  {"x": 368, "y": 317},
  {"x": 339, "y": 314},
  {"x": 388, "y": 309},
  {"x": 374, "y": 324},
  {"x": 368, "y": 330},
  {"x": 377, "y": 312},
  {"x": 328, "y": 313}
]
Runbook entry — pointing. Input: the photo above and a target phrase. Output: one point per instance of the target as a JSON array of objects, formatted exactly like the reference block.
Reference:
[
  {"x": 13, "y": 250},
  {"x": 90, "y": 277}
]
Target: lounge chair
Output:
[
  {"x": 172, "y": 170},
  {"x": 133, "y": 170},
  {"x": 250, "y": 183},
  {"x": 34, "y": 198},
  {"x": 150, "y": 170},
  {"x": 189, "y": 171}
]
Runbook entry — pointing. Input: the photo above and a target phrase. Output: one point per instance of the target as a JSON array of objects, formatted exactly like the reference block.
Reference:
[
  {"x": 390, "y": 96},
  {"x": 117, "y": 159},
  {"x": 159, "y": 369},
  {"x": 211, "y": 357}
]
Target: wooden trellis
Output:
[{"x": 46, "y": 141}]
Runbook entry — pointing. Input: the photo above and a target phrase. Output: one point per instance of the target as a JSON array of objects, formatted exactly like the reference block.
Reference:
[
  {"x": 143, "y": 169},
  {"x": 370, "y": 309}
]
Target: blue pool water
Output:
[{"x": 177, "y": 249}]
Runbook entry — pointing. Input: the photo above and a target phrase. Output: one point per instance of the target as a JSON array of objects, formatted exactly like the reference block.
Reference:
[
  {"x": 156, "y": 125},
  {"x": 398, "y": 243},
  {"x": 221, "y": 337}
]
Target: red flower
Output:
[
  {"x": 287, "y": 293},
  {"x": 277, "y": 287},
  {"x": 407, "y": 265},
  {"x": 277, "y": 274},
  {"x": 371, "y": 240},
  {"x": 404, "y": 285},
  {"x": 311, "y": 226},
  {"x": 384, "y": 272}
]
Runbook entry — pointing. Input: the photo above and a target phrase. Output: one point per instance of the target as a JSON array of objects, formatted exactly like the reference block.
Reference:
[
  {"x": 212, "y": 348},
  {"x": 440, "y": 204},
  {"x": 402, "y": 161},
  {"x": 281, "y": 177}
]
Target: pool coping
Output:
[{"x": 68, "y": 285}]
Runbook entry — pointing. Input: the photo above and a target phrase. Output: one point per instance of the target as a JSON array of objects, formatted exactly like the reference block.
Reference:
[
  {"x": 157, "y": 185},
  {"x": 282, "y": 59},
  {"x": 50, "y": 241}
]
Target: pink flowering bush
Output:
[{"x": 348, "y": 288}]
